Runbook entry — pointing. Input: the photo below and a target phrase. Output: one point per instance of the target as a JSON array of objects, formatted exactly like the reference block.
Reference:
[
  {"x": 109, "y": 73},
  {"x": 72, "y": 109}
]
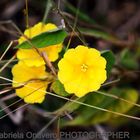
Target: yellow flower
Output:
[
  {"x": 82, "y": 70},
  {"x": 29, "y": 56},
  {"x": 33, "y": 77}
]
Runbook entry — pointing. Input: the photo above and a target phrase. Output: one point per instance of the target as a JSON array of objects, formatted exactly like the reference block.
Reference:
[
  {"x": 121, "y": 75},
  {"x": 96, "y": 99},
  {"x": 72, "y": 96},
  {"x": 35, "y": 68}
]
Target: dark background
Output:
[{"x": 117, "y": 17}]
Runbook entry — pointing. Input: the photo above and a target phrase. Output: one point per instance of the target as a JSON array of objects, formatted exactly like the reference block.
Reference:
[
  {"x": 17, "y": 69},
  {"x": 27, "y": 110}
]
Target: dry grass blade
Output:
[
  {"x": 66, "y": 21},
  {"x": 8, "y": 97},
  {"x": 116, "y": 97},
  {"x": 81, "y": 103},
  {"x": 4, "y": 91},
  {"x": 44, "y": 56},
  {"x": 27, "y": 16},
  {"x": 8, "y": 47},
  {"x": 5, "y": 84},
  {"x": 20, "y": 99},
  {"x": 13, "y": 111},
  {"x": 74, "y": 25},
  {"x": 15, "y": 118},
  {"x": 5, "y": 108},
  {"x": 111, "y": 82},
  {"x": 11, "y": 105},
  {"x": 45, "y": 127},
  {"x": 1, "y": 69},
  {"x": 95, "y": 107},
  {"x": 16, "y": 60}
]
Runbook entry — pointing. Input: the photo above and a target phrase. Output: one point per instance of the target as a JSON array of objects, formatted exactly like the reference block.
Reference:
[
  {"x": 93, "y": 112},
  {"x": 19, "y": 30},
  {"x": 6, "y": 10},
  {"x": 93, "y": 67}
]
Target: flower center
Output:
[{"x": 84, "y": 67}]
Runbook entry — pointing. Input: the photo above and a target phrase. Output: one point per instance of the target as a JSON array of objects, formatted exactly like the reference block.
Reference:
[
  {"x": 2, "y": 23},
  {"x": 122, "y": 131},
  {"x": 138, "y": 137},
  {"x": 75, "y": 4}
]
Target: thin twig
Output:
[
  {"x": 111, "y": 82},
  {"x": 45, "y": 127},
  {"x": 8, "y": 97},
  {"x": 81, "y": 103},
  {"x": 6, "y": 50},
  {"x": 68, "y": 115},
  {"x": 16, "y": 118},
  {"x": 1, "y": 69},
  {"x": 40, "y": 111},
  {"x": 48, "y": 62},
  {"x": 116, "y": 97}
]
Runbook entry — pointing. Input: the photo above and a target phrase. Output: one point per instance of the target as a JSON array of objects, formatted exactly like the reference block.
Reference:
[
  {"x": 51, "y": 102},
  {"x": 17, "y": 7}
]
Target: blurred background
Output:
[{"x": 102, "y": 24}]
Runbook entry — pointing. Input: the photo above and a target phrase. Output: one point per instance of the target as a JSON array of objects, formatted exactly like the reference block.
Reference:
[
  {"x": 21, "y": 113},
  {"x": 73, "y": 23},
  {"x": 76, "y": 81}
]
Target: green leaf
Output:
[
  {"x": 127, "y": 94},
  {"x": 119, "y": 121},
  {"x": 45, "y": 39},
  {"x": 110, "y": 58},
  {"x": 58, "y": 88},
  {"x": 88, "y": 116},
  {"x": 69, "y": 107},
  {"x": 128, "y": 59},
  {"x": 117, "y": 105},
  {"x": 99, "y": 34},
  {"x": 86, "y": 112}
]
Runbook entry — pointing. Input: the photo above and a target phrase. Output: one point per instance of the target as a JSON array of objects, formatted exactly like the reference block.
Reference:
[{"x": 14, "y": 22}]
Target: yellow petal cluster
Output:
[
  {"x": 30, "y": 69},
  {"x": 33, "y": 78},
  {"x": 29, "y": 56},
  {"x": 82, "y": 70}
]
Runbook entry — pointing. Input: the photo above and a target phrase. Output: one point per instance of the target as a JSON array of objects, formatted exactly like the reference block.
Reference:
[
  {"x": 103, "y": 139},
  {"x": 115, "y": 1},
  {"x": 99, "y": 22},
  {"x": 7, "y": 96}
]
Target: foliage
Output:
[
  {"x": 44, "y": 39},
  {"x": 67, "y": 90}
]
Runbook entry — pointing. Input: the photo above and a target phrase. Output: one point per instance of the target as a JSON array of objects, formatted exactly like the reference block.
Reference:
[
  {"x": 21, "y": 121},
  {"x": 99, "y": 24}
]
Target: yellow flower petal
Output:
[
  {"x": 29, "y": 56},
  {"x": 32, "y": 92},
  {"x": 75, "y": 59},
  {"x": 36, "y": 30},
  {"x": 82, "y": 70},
  {"x": 33, "y": 78}
]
